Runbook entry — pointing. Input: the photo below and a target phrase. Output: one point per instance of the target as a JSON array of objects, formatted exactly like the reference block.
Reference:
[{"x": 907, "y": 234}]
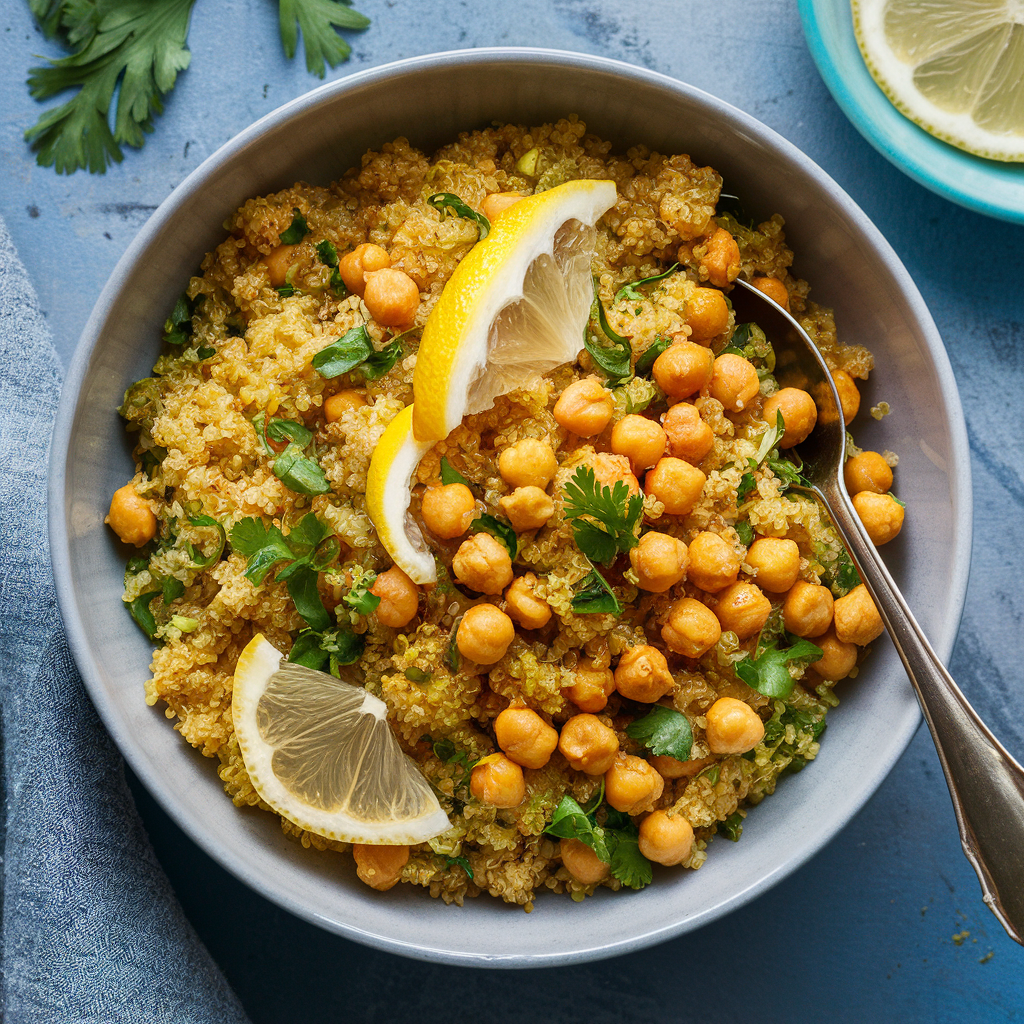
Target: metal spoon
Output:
[{"x": 985, "y": 782}]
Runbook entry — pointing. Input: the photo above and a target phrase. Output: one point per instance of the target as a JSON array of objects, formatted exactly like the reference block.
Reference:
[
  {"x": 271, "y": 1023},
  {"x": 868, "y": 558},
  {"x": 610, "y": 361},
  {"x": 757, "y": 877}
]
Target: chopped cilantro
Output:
[
  {"x": 204, "y": 561},
  {"x": 204, "y": 352},
  {"x": 663, "y": 731},
  {"x": 327, "y": 647},
  {"x": 646, "y": 362},
  {"x": 461, "y": 862},
  {"x": 303, "y": 475},
  {"x": 604, "y": 520},
  {"x": 500, "y": 530},
  {"x": 614, "y": 358},
  {"x": 593, "y": 596},
  {"x": 769, "y": 673},
  {"x": 629, "y": 291},
  {"x": 354, "y": 350},
  {"x": 417, "y": 675},
  {"x": 297, "y": 230},
  {"x": 286, "y": 291},
  {"x": 732, "y": 827},
  {"x": 444, "y": 202},
  {"x": 358, "y": 597},
  {"x": 842, "y": 575},
  {"x": 172, "y": 589},
  {"x": 142, "y": 614},
  {"x": 328, "y": 253},
  {"x": 449, "y": 475},
  {"x": 743, "y": 529},
  {"x": 178, "y": 326},
  {"x": 378, "y": 363}
]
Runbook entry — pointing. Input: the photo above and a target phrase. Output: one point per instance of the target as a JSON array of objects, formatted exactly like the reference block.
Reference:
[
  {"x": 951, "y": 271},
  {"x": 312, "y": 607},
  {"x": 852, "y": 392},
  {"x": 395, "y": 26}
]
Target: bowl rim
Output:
[{"x": 162, "y": 788}]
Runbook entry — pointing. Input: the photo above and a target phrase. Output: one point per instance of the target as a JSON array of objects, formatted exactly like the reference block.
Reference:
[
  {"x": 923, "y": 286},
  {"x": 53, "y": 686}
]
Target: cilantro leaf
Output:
[
  {"x": 445, "y": 201},
  {"x": 663, "y": 731},
  {"x": 842, "y": 575},
  {"x": 769, "y": 674},
  {"x": 747, "y": 484},
  {"x": 500, "y": 530},
  {"x": 328, "y": 253},
  {"x": 593, "y": 596},
  {"x": 570, "y": 822},
  {"x": 142, "y": 614},
  {"x": 732, "y": 827},
  {"x": 629, "y": 291},
  {"x": 199, "y": 560},
  {"x": 332, "y": 648},
  {"x": 301, "y": 474},
  {"x": 614, "y": 358},
  {"x": 262, "y": 546},
  {"x": 344, "y": 354},
  {"x": 604, "y": 520},
  {"x": 627, "y": 863},
  {"x": 743, "y": 529},
  {"x": 297, "y": 230},
  {"x": 172, "y": 589},
  {"x": 646, "y": 362},
  {"x": 378, "y": 363},
  {"x": 449, "y": 475},
  {"x": 359, "y": 598},
  {"x": 462, "y": 863},
  {"x": 318, "y": 20},
  {"x": 286, "y": 291},
  {"x": 178, "y": 326}
]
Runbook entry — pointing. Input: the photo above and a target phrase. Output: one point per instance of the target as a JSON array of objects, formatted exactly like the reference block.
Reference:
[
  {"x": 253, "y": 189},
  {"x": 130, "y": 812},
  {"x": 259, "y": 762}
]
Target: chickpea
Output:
[
  {"x": 838, "y": 659},
  {"x": 689, "y": 437},
  {"x": 692, "y": 628},
  {"x": 365, "y": 258},
  {"x": 592, "y": 686},
  {"x": 799, "y": 414},
  {"x": 582, "y": 862},
  {"x": 683, "y": 369},
  {"x": 525, "y": 737},
  {"x": 722, "y": 260},
  {"x": 743, "y": 609},
  {"x": 498, "y": 781},
  {"x": 585, "y": 407},
  {"x": 713, "y": 562},
  {"x": 484, "y": 634},
  {"x": 867, "y": 472},
  {"x": 278, "y": 262},
  {"x": 527, "y": 508},
  {"x": 640, "y": 440},
  {"x": 676, "y": 484},
  {"x": 392, "y": 297},
  {"x": 130, "y": 517},
  {"x": 524, "y": 607},
  {"x": 774, "y": 289},
  {"x": 483, "y": 564},
  {"x": 448, "y": 510},
  {"x": 498, "y": 202},
  {"x": 881, "y": 514},
  {"x": 849, "y": 395},
  {"x": 399, "y": 598},
  {"x": 642, "y": 674},
  {"x": 706, "y": 314},
  {"x": 659, "y": 562},
  {"x": 670, "y": 768},
  {"x": 528, "y": 463},
  {"x": 588, "y": 744},
  {"x": 856, "y": 618},
  {"x": 632, "y": 785},
  {"x": 380, "y": 867},
  {"x": 777, "y": 562},
  {"x": 807, "y": 610},
  {"x": 666, "y": 840},
  {"x": 609, "y": 469},
  {"x": 733, "y": 727},
  {"x": 734, "y": 382},
  {"x": 337, "y": 405}
]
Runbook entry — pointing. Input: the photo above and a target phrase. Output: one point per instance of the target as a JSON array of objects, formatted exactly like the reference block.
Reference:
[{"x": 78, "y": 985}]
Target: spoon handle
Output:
[{"x": 985, "y": 782}]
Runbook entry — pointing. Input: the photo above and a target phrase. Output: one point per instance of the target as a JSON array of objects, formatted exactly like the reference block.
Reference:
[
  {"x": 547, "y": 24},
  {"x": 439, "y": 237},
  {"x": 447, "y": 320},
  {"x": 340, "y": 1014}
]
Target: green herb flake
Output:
[
  {"x": 297, "y": 230},
  {"x": 604, "y": 520},
  {"x": 301, "y": 474},
  {"x": 417, "y": 675},
  {"x": 143, "y": 614},
  {"x": 460, "y": 862},
  {"x": 593, "y": 596},
  {"x": 378, "y": 363},
  {"x": 358, "y": 597},
  {"x": 344, "y": 354},
  {"x": 645, "y": 363},
  {"x": 449, "y": 475},
  {"x": 499, "y": 529},
  {"x": 330, "y": 648},
  {"x": 745, "y": 532},
  {"x": 732, "y": 827},
  {"x": 629, "y": 291},
  {"x": 286, "y": 291},
  {"x": 178, "y": 326},
  {"x": 769, "y": 672},
  {"x": 615, "y": 357},
  {"x": 663, "y": 731},
  {"x": 445, "y": 202},
  {"x": 328, "y": 253}
]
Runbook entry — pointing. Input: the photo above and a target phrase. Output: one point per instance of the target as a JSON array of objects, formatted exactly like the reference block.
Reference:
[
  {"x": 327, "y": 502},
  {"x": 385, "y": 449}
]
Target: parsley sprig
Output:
[
  {"x": 604, "y": 519},
  {"x": 768, "y": 672},
  {"x": 663, "y": 731}
]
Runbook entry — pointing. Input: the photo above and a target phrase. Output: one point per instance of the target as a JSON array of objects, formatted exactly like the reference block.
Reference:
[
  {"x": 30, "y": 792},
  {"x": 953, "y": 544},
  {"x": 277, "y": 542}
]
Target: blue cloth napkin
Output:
[{"x": 92, "y": 931}]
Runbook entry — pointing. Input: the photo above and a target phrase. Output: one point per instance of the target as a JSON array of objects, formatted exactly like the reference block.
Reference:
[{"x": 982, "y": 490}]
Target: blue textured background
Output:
[{"x": 865, "y": 931}]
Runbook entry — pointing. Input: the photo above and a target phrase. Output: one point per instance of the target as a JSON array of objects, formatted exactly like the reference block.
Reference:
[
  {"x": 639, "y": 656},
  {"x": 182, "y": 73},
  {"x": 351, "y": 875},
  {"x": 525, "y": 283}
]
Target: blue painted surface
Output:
[{"x": 865, "y": 931}]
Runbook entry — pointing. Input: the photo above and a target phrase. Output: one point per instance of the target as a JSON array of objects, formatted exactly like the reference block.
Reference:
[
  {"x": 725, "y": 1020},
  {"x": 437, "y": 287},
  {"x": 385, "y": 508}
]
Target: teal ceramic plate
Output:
[{"x": 987, "y": 186}]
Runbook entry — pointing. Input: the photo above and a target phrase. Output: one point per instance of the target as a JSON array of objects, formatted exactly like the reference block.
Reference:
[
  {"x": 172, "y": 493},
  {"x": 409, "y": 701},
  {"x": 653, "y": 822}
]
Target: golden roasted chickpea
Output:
[
  {"x": 399, "y": 598},
  {"x": 867, "y": 472},
  {"x": 743, "y": 609},
  {"x": 734, "y": 382},
  {"x": 524, "y": 606},
  {"x": 337, "y": 405},
  {"x": 588, "y": 744},
  {"x": 497, "y": 780},
  {"x": 278, "y": 262},
  {"x": 733, "y": 727},
  {"x": 525, "y": 737},
  {"x": 881, "y": 514},
  {"x": 609, "y": 469},
  {"x": 484, "y": 634},
  {"x": 591, "y": 687},
  {"x": 722, "y": 260},
  {"x": 585, "y": 407},
  {"x": 706, "y": 314},
  {"x": 380, "y": 867},
  {"x": 448, "y": 510},
  {"x": 130, "y": 517},
  {"x": 642, "y": 674},
  {"x": 838, "y": 658},
  {"x": 632, "y": 785},
  {"x": 640, "y": 440},
  {"x": 666, "y": 840},
  {"x": 799, "y": 414},
  {"x": 777, "y": 562},
  {"x": 807, "y": 610},
  {"x": 498, "y": 202},
  {"x": 713, "y": 562},
  {"x": 689, "y": 437},
  {"x": 683, "y": 369},
  {"x": 692, "y": 628},
  {"x": 774, "y": 289},
  {"x": 670, "y": 768},
  {"x": 527, "y": 508},
  {"x": 363, "y": 259},
  {"x": 392, "y": 297},
  {"x": 856, "y": 618},
  {"x": 849, "y": 395},
  {"x": 659, "y": 562},
  {"x": 582, "y": 862},
  {"x": 483, "y": 564},
  {"x": 676, "y": 484},
  {"x": 528, "y": 463}
]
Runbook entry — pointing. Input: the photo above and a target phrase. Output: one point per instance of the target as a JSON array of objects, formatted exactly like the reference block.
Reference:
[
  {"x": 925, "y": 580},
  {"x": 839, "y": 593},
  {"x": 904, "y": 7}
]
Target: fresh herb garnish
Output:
[
  {"x": 732, "y": 827},
  {"x": 378, "y": 363},
  {"x": 444, "y": 202},
  {"x": 629, "y": 291},
  {"x": 318, "y": 20},
  {"x": 143, "y": 615},
  {"x": 297, "y": 230},
  {"x": 646, "y": 362},
  {"x": 292, "y": 467},
  {"x": 201, "y": 561},
  {"x": 614, "y": 358},
  {"x": 352, "y": 350},
  {"x": 663, "y": 731},
  {"x": 604, "y": 519},
  {"x": 461, "y": 862},
  {"x": 769, "y": 440},
  {"x": 842, "y": 575},
  {"x": 328, "y": 647},
  {"x": 178, "y": 326},
  {"x": 446, "y": 751},
  {"x": 358, "y": 597},
  {"x": 417, "y": 675},
  {"x": 593, "y": 596},
  {"x": 328, "y": 254},
  {"x": 453, "y": 656},
  {"x": 286, "y": 291},
  {"x": 745, "y": 532},
  {"x": 769, "y": 672},
  {"x": 749, "y": 342},
  {"x": 450, "y": 475},
  {"x": 500, "y": 530}
]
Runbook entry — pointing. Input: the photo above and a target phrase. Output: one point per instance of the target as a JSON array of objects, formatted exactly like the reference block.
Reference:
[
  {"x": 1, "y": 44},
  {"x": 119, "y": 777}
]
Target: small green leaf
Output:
[
  {"x": 417, "y": 675},
  {"x": 344, "y": 354},
  {"x": 500, "y": 530},
  {"x": 378, "y": 363},
  {"x": 286, "y": 291},
  {"x": 745, "y": 531},
  {"x": 629, "y": 291},
  {"x": 302, "y": 586},
  {"x": 746, "y": 485},
  {"x": 461, "y": 862},
  {"x": 359, "y": 598},
  {"x": 627, "y": 863},
  {"x": 262, "y": 546},
  {"x": 142, "y": 614},
  {"x": 646, "y": 362},
  {"x": 178, "y": 326},
  {"x": 732, "y": 827},
  {"x": 201, "y": 561},
  {"x": 593, "y": 596},
  {"x": 663, "y": 731},
  {"x": 615, "y": 358},
  {"x": 284, "y": 431},
  {"x": 768, "y": 673},
  {"x": 604, "y": 519},
  {"x": 328, "y": 253},
  {"x": 297, "y": 230},
  {"x": 302, "y": 475},
  {"x": 571, "y": 822},
  {"x": 171, "y": 590},
  {"x": 450, "y": 475},
  {"x": 444, "y": 202}
]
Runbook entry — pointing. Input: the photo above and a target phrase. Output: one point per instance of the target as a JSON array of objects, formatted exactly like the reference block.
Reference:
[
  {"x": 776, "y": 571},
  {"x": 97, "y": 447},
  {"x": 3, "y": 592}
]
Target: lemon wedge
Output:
[
  {"x": 515, "y": 308},
  {"x": 954, "y": 67},
  {"x": 320, "y": 752}
]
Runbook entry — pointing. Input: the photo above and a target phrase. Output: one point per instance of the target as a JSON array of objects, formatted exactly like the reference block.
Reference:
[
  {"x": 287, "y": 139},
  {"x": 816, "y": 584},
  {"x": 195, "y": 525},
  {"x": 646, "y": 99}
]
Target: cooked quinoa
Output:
[{"x": 239, "y": 349}]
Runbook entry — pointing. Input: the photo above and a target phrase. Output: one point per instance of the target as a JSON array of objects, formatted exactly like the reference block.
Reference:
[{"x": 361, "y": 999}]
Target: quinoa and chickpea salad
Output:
[{"x": 638, "y": 622}]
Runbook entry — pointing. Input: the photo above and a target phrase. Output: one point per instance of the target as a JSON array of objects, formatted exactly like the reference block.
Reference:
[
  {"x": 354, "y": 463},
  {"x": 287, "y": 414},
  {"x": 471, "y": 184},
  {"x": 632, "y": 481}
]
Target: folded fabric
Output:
[{"x": 92, "y": 930}]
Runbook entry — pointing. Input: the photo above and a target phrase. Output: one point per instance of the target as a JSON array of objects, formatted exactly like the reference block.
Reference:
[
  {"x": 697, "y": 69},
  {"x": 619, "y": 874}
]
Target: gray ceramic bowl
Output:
[{"x": 430, "y": 100}]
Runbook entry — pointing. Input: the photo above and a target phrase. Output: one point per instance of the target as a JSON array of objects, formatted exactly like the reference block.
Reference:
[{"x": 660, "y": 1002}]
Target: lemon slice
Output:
[
  {"x": 515, "y": 308},
  {"x": 954, "y": 67},
  {"x": 388, "y": 484},
  {"x": 320, "y": 751}
]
